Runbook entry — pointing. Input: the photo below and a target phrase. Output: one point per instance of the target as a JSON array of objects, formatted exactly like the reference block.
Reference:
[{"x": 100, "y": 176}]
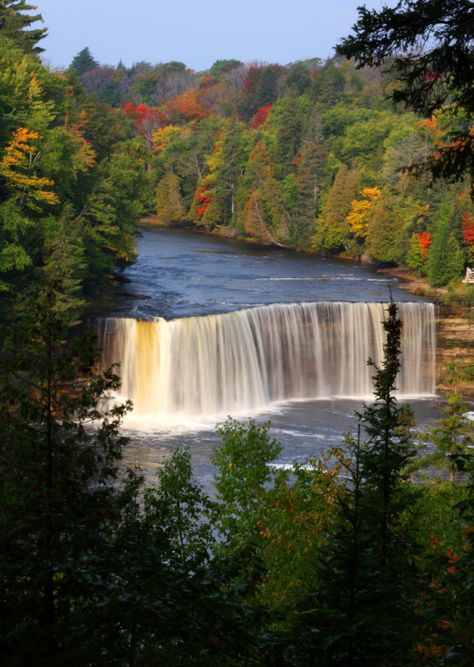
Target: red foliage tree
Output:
[
  {"x": 204, "y": 198},
  {"x": 468, "y": 229},
  {"x": 147, "y": 119},
  {"x": 424, "y": 239},
  {"x": 261, "y": 116},
  {"x": 252, "y": 78}
]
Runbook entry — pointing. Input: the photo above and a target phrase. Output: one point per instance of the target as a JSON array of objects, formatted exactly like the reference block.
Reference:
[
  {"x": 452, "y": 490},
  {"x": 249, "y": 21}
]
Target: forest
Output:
[
  {"x": 313, "y": 156},
  {"x": 363, "y": 557}
]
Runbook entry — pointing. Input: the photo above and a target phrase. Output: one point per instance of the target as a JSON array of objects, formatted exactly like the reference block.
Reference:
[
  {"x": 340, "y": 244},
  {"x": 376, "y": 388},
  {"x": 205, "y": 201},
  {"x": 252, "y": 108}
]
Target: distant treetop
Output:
[
  {"x": 83, "y": 62},
  {"x": 223, "y": 66}
]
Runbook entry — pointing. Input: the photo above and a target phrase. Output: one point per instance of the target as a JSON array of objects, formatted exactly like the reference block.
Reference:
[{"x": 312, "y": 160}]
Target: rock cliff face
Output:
[
  {"x": 455, "y": 340},
  {"x": 455, "y": 326}
]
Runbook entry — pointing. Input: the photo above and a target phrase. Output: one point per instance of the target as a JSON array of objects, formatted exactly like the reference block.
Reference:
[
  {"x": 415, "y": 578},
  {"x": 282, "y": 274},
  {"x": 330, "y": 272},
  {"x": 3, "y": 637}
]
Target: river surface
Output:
[{"x": 181, "y": 274}]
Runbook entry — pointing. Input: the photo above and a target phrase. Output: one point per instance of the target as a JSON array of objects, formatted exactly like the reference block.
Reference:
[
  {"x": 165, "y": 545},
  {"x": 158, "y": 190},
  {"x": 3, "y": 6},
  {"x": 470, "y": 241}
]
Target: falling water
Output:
[{"x": 248, "y": 359}]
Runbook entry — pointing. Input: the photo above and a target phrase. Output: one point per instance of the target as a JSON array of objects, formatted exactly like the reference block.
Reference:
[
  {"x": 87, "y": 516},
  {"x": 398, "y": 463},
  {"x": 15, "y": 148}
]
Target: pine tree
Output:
[
  {"x": 446, "y": 259},
  {"x": 233, "y": 157},
  {"x": 83, "y": 62},
  {"x": 310, "y": 161},
  {"x": 265, "y": 217},
  {"x": 364, "y": 611},
  {"x": 169, "y": 207},
  {"x": 15, "y": 22},
  {"x": 288, "y": 136},
  {"x": 332, "y": 229},
  {"x": 57, "y": 500}
]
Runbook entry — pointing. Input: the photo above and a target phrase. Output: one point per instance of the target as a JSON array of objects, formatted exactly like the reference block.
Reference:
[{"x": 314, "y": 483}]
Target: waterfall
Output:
[{"x": 248, "y": 359}]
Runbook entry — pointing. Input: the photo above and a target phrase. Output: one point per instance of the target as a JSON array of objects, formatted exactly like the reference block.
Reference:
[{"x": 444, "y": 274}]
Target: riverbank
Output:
[{"x": 455, "y": 324}]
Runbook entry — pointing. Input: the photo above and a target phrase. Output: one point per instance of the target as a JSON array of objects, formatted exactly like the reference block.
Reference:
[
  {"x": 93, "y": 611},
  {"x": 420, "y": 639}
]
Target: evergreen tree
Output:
[
  {"x": 332, "y": 229},
  {"x": 311, "y": 161},
  {"x": 234, "y": 154},
  {"x": 169, "y": 207},
  {"x": 446, "y": 259},
  {"x": 83, "y": 62},
  {"x": 265, "y": 217},
  {"x": 328, "y": 87},
  {"x": 288, "y": 135},
  {"x": 364, "y": 611},
  {"x": 15, "y": 22},
  {"x": 56, "y": 497}
]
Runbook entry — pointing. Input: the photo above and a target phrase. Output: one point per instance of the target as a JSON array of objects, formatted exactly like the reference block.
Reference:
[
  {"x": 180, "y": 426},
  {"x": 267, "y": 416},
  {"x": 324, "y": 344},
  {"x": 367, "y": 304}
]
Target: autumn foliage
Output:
[
  {"x": 18, "y": 166},
  {"x": 204, "y": 199},
  {"x": 468, "y": 229},
  {"x": 185, "y": 107},
  {"x": 357, "y": 218},
  {"x": 261, "y": 116},
  {"x": 424, "y": 240}
]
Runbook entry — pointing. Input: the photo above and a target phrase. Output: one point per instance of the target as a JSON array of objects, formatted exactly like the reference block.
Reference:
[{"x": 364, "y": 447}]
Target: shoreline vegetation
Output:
[{"x": 364, "y": 559}]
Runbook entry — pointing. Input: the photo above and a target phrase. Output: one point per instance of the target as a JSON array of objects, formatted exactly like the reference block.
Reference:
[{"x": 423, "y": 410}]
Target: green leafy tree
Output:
[
  {"x": 242, "y": 461},
  {"x": 121, "y": 194},
  {"x": 384, "y": 241},
  {"x": 428, "y": 78}
]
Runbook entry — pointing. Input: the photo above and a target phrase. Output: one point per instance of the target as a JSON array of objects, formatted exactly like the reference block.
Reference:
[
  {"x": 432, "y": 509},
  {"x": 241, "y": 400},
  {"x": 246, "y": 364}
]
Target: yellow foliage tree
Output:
[
  {"x": 164, "y": 137},
  {"x": 358, "y": 217},
  {"x": 17, "y": 168}
]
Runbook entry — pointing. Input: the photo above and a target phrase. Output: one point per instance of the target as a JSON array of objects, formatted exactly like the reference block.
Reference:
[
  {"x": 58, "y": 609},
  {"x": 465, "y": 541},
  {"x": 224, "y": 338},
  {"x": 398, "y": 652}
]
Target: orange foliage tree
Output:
[
  {"x": 424, "y": 241},
  {"x": 184, "y": 107},
  {"x": 18, "y": 166}
]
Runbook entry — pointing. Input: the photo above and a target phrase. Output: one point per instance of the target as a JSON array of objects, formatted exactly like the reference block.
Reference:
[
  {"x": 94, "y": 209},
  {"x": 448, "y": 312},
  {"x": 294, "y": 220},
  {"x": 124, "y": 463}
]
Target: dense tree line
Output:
[
  {"x": 355, "y": 559},
  {"x": 73, "y": 175},
  {"x": 318, "y": 156}
]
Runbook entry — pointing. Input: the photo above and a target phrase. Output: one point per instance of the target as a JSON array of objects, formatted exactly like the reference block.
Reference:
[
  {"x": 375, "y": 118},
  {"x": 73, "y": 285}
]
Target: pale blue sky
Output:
[{"x": 196, "y": 32}]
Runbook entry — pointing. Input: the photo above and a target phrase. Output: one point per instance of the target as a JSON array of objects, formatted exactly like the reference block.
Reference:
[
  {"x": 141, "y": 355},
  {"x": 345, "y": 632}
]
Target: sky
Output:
[{"x": 196, "y": 32}]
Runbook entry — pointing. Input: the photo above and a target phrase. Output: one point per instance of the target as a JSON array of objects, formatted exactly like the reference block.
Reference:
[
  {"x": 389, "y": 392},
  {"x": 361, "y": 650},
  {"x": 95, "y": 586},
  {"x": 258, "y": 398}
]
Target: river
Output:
[{"x": 180, "y": 274}]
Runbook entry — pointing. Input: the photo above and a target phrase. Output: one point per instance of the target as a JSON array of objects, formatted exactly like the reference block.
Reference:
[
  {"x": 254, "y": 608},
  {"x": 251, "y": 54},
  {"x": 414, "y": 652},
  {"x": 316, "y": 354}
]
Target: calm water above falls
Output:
[{"x": 178, "y": 275}]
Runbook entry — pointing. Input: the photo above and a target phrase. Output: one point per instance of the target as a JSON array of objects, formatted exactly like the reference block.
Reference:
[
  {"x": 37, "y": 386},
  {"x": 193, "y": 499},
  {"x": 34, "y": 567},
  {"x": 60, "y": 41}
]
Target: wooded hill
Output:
[{"x": 313, "y": 156}]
